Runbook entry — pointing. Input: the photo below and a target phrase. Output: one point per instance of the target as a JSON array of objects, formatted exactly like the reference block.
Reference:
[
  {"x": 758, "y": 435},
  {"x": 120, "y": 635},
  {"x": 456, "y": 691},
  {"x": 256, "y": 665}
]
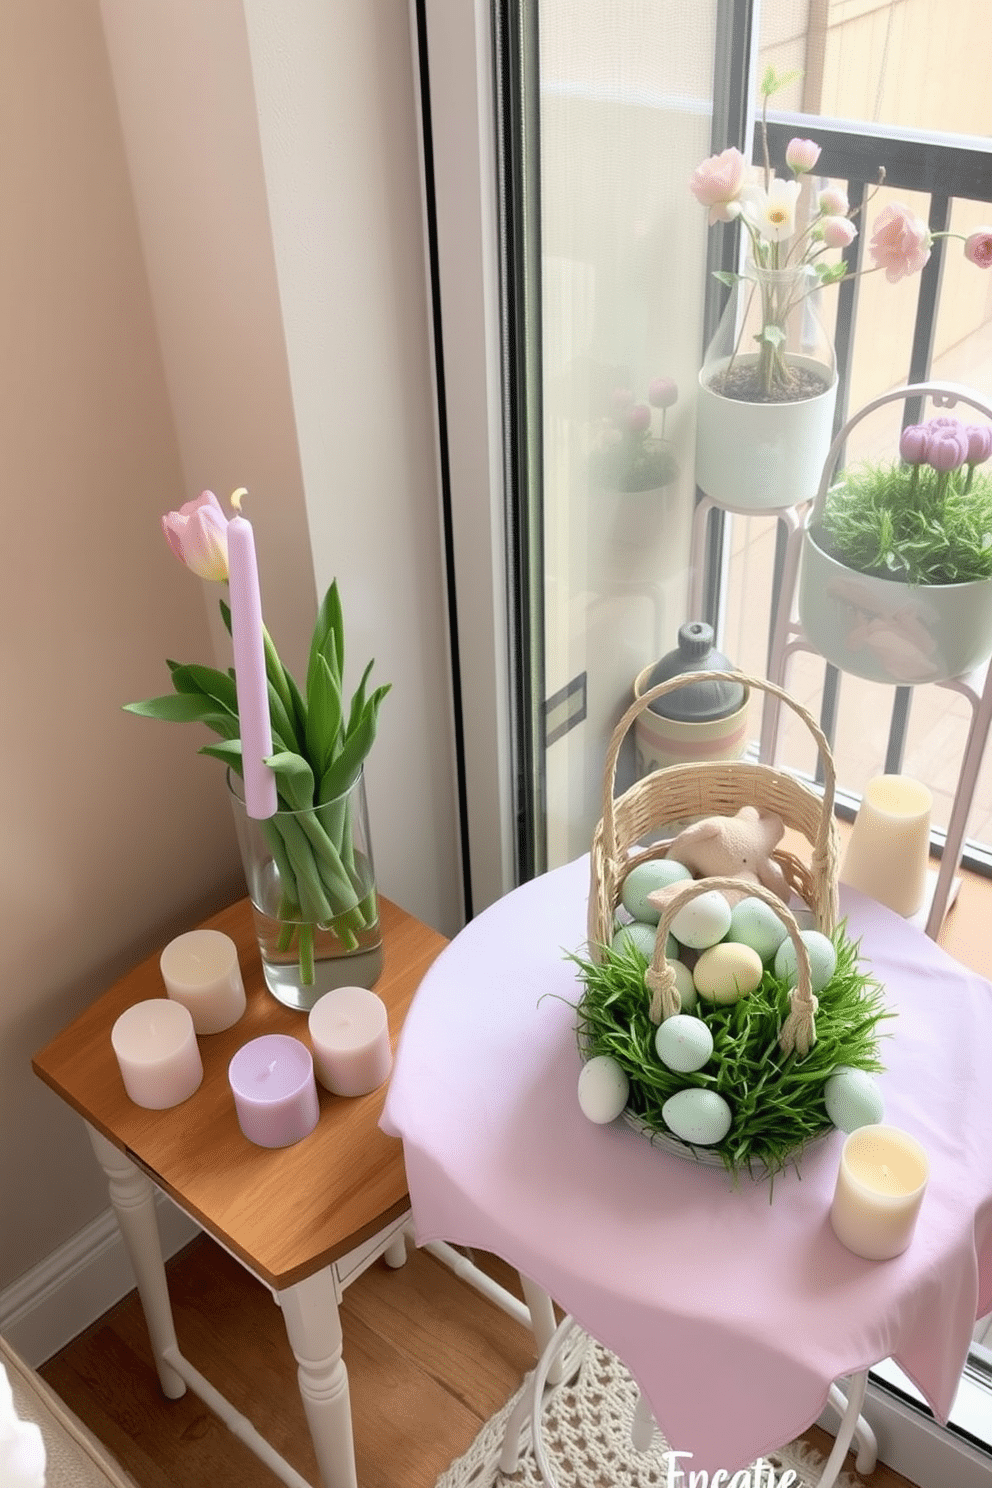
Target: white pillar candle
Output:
[
  {"x": 880, "y": 1186},
  {"x": 156, "y": 1048},
  {"x": 200, "y": 969},
  {"x": 349, "y": 1031},
  {"x": 889, "y": 847},
  {"x": 275, "y": 1094}
]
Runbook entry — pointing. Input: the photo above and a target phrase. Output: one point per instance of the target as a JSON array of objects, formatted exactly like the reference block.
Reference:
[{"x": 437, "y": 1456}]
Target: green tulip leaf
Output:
[
  {"x": 190, "y": 678},
  {"x": 228, "y": 752},
  {"x": 358, "y": 700},
  {"x": 323, "y": 716},
  {"x": 179, "y": 707},
  {"x": 294, "y": 778},
  {"x": 328, "y": 637}
]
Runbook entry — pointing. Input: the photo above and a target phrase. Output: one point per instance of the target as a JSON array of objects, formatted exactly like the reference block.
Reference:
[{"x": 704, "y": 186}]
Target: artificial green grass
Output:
[
  {"x": 910, "y": 523},
  {"x": 776, "y": 1100}
]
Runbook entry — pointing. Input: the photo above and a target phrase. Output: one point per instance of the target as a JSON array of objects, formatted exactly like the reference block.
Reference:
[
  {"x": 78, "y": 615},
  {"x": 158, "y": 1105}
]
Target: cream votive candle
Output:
[
  {"x": 201, "y": 970},
  {"x": 275, "y": 1094},
  {"x": 156, "y": 1048},
  {"x": 880, "y": 1186},
  {"x": 349, "y": 1031},
  {"x": 888, "y": 850}
]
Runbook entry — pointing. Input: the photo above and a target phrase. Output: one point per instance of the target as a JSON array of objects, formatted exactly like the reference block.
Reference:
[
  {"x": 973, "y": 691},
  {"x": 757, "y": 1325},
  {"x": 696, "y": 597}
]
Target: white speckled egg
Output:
[
  {"x": 642, "y": 935},
  {"x": 822, "y": 959},
  {"x": 754, "y": 923},
  {"x": 642, "y": 880},
  {"x": 684, "y": 985},
  {"x": 698, "y": 1116},
  {"x": 703, "y": 921},
  {"x": 853, "y": 1099},
  {"x": 683, "y": 1043},
  {"x": 603, "y": 1089},
  {"x": 727, "y": 971}
]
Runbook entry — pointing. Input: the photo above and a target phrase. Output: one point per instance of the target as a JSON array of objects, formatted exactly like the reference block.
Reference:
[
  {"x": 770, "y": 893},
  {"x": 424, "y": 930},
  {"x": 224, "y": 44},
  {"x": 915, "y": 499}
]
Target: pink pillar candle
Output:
[
  {"x": 349, "y": 1030},
  {"x": 200, "y": 969},
  {"x": 248, "y": 638},
  {"x": 275, "y": 1094},
  {"x": 155, "y": 1045}
]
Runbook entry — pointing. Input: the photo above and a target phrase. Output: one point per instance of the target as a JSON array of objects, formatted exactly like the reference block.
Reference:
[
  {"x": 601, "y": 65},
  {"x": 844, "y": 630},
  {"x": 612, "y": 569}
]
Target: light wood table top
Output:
[{"x": 286, "y": 1212}]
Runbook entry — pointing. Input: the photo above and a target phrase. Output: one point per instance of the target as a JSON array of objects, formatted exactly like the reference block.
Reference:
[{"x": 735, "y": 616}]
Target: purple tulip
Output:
[
  {"x": 663, "y": 393},
  {"x": 914, "y": 444},
  {"x": 948, "y": 448},
  {"x": 197, "y": 534},
  {"x": 979, "y": 443}
]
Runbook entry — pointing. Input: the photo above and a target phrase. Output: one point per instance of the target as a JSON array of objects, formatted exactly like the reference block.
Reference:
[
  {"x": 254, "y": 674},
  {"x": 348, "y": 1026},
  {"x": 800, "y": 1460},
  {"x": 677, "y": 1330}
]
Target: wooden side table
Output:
[{"x": 303, "y": 1219}]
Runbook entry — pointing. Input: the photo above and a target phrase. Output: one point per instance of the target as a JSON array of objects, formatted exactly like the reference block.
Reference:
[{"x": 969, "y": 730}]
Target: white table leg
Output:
[
  {"x": 133, "y": 1198},
  {"x": 310, "y": 1312}
]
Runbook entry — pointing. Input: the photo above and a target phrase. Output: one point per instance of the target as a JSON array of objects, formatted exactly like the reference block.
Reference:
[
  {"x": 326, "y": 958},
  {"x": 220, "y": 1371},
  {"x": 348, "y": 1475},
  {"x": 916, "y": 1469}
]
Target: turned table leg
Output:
[
  {"x": 310, "y": 1312},
  {"x": 133, "y": 1198}
]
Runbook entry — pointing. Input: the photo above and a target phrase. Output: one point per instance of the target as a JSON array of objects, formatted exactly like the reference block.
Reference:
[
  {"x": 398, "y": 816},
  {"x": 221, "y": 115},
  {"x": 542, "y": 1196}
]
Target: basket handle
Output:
[
  {"x": 609, "y": 835},
  {"x": 798, "y": 1032},
  {"x": 944, "y": 395}
]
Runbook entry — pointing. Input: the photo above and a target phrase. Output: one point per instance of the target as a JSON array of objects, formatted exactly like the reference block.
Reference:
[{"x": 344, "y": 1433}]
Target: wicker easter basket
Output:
[{"x": 632, "y": 830}]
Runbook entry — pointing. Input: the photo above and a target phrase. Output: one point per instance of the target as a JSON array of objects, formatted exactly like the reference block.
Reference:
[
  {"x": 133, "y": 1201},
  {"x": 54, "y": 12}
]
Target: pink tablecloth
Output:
[{"x": 733, "y": 1314}]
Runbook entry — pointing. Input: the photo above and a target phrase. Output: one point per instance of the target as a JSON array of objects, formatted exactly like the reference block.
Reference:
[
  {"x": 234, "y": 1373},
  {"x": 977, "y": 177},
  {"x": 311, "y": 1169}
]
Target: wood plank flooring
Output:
[{"x": 429, "y": 1361}]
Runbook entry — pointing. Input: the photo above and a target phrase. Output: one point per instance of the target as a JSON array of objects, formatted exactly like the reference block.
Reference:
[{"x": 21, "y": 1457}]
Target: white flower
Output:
[{"x": 773, "y": 212}]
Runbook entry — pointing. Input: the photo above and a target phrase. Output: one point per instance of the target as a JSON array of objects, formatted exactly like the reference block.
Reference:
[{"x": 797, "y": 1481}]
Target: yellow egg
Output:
[{"x": 727, "y": 971}]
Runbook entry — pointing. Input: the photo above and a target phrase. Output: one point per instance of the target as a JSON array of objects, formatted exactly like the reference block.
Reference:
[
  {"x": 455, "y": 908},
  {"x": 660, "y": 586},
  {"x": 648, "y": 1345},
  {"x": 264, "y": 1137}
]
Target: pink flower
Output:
[
  {"x": 901, "y": 242},
  {"x": 197, "y": 534},
  {"x": 979, "y": 443},
  {"x": 638, "y": 420},
  {"x": 833, "y": 202},
  {"x": 801, "y": 155},
  {"x": 837, "y": 232},
  {"x": 914, "y": 444},
  {"x": 663, "y": 393},
  {"x": 948, "y": 448},
  {"x": 978, "y": 248},
  {"x": 717, "y": 184}
]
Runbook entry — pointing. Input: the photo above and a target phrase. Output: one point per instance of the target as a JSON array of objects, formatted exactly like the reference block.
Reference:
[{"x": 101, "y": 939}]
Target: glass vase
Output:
[
  {"x": 767, "y": 391},
  {"x": 311, "y": 882}
]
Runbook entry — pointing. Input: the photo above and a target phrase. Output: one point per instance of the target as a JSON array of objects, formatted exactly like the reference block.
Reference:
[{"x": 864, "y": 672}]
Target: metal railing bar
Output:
[
  {"x": 898, "y": 729},
  {"x": 960, "y": 165}
]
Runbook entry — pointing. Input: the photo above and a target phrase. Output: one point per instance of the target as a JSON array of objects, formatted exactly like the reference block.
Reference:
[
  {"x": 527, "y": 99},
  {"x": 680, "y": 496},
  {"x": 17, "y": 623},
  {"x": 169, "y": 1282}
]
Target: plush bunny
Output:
[{"x": 738, "y": 846}]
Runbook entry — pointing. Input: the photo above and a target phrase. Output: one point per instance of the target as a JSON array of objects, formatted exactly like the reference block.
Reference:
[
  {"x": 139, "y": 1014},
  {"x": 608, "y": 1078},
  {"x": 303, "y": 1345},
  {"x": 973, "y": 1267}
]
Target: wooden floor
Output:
[{"x": 429, "y": 1361}]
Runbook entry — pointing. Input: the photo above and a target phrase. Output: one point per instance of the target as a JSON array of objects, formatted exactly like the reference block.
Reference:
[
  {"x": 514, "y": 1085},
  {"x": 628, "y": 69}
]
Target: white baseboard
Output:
[{"x": 67, "y": 1291}]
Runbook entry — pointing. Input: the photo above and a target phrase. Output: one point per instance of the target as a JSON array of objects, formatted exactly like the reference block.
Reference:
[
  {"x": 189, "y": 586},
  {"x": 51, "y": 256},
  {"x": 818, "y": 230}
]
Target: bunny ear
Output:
[{"x": 749, "y": 813}]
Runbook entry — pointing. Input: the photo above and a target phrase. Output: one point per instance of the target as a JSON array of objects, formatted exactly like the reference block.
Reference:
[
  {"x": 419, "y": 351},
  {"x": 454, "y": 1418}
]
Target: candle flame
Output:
[{"x": 237, "y": 497}]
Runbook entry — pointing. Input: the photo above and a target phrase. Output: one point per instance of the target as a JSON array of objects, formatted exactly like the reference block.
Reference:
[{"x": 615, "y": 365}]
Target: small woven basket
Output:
[
  {"x": 632, "y": 830},
  {"x": 667, "y": 798}
]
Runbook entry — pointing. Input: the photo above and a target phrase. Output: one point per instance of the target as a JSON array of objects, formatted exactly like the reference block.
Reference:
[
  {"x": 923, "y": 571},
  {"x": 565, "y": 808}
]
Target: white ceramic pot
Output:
[
  {"x": 886, "y": 631},
  {"x": 762, "y": 456}
]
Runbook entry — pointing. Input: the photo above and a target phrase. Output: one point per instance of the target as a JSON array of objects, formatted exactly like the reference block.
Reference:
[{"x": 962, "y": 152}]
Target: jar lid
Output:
[{"x": 697, "y": 702}]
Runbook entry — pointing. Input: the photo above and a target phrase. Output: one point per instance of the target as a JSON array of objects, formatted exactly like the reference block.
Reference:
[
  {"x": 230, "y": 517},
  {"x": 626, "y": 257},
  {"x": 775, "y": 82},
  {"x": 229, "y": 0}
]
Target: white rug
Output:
[{"x": 587, "y": 1439}]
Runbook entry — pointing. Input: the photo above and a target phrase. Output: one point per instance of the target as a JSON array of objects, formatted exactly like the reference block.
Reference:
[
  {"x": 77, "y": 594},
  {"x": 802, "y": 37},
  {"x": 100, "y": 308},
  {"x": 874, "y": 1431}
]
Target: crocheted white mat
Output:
[{"x": 587, "y": 1439}]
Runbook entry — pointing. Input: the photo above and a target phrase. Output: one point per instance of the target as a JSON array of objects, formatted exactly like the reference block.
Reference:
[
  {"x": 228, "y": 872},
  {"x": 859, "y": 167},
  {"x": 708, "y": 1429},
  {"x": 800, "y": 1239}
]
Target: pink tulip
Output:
[
  {"x": 801, "y": 155},
  {"x": 717, "y": 184},
  {"x": 638, "y": 420},
  {"x": 663, "y": 393},
  {"x": 979, "y": 443},
  {"x": 837, "y": 232},
  {"x": 833, "y": 202},
  {"x": 978, "y": 248},
  {"x": 948, "y": 448},
  {"x": 197, "y": 534},
  {"x": 901, "y": 242},
  {"x": 914, "y": 444}
]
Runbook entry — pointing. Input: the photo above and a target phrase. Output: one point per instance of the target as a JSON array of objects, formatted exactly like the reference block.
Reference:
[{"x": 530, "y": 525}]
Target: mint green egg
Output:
[
  {"x": 853, "y": 1099},
  {"x": 754, "y": 923},
  {"x": 822, "y": 959},
  {"x": 643, "y": 936},
  {"x": 642, "y": 880},
  {"x": 684, "y": 984}
]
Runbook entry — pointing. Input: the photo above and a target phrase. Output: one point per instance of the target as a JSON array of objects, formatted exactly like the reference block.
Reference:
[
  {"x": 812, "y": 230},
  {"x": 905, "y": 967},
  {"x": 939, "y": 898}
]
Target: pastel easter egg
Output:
[
  {"x": 683, "y": 1043},
  {"x": 853, "y": 1099},
  {"x": 642, "y": 880},
  {"x": 822, "y": 959},
  {"x": 684, "y": 985},
  {"x": 603, "y": 1089},
  {"x": 698, "y": 1116},
  {"x": 642, "y": 935},
  {"x": 703, "y": 921},
  {"x": 727, "y": 971},
  {"x": 754, "y": 923}
]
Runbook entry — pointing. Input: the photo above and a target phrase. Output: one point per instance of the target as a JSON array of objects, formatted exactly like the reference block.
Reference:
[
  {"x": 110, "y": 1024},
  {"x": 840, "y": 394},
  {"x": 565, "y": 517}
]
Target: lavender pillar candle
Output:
[{"x": 275, "y": 1093}]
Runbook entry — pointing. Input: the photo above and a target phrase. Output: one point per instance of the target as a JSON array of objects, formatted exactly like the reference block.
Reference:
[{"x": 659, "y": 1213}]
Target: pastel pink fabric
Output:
[{"x": 733, "y": 1313}]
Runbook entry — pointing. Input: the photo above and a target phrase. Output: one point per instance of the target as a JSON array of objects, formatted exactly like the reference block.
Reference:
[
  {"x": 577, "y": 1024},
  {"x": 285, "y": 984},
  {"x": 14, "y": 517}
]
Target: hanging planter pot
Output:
[
  {"x": 896, "y": 570},
  {"x": 764, "y": 418}
]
